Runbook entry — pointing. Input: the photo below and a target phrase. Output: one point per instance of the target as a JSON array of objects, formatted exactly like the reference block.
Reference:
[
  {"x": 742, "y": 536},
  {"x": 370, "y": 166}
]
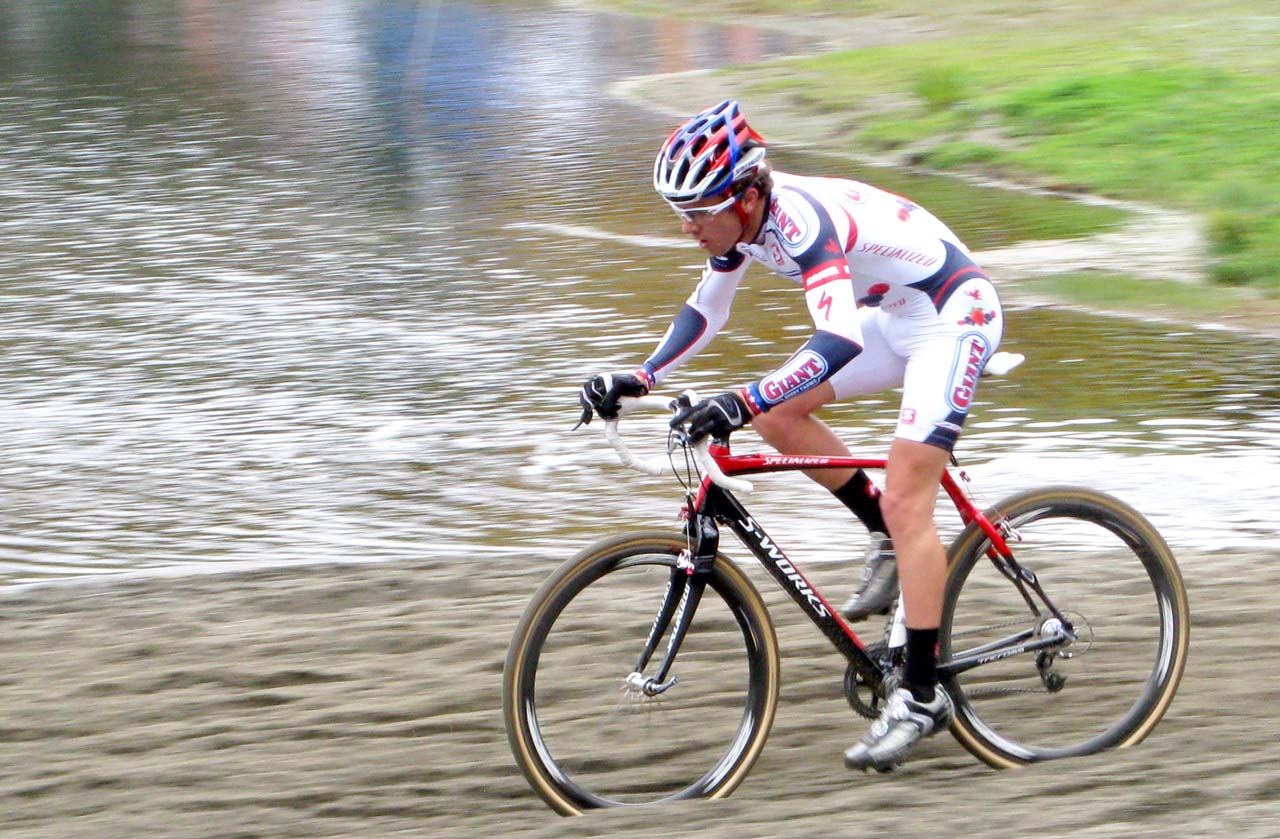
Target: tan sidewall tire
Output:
[
  {"x": 566, "y": 575},
  {"x": 972, "y": 538}
]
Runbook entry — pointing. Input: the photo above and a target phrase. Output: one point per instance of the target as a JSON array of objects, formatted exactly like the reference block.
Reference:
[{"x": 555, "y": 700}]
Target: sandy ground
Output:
[{"x": 365, "y": 701}]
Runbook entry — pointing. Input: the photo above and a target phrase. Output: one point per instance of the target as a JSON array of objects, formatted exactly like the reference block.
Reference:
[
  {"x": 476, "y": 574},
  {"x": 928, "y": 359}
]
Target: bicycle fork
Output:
[{"x": 684, "y": 591}]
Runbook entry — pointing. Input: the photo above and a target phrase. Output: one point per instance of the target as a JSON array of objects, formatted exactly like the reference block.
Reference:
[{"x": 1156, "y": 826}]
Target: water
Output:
[{"x": 300, "y": 282}]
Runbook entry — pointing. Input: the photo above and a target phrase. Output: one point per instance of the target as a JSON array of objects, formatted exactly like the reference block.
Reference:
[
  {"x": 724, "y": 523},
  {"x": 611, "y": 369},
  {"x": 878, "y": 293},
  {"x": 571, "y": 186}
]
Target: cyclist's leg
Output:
[
  {"x": 944, "y": 359},
  {"x": 911, "y": 488},
  {"x": 791, "y": 427},
  {"x": 918, "y": 708}
]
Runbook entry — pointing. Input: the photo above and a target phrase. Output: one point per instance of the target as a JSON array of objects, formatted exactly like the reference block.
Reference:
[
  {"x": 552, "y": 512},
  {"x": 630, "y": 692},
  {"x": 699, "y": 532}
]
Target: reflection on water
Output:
[{"x": 268, "y": 299}]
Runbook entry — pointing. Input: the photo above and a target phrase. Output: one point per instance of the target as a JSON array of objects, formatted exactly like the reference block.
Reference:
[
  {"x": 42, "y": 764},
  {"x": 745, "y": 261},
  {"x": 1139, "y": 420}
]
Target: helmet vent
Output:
[{"x": 707, "y": 155}]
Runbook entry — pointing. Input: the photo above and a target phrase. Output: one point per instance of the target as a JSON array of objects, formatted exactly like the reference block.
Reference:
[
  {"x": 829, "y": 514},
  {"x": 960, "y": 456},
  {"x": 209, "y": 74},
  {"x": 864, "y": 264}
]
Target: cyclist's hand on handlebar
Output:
[
  {"x": 600, "y": 394},
  {"x": 716, "y": 416}
]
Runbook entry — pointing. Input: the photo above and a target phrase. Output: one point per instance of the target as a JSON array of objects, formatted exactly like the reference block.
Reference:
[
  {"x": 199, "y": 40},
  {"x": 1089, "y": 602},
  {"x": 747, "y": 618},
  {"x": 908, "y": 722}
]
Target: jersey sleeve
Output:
[
  {"x": 815, "y": 244},
  {"x": 703, "y": 316}
]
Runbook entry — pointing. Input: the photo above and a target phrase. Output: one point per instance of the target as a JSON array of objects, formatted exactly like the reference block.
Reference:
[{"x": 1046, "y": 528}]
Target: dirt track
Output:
[{"x": 365, "y": 701}]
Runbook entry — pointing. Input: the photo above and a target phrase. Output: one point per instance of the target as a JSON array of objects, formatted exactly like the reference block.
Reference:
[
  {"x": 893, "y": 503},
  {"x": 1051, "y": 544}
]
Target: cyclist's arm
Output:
[
  {"x": 829, "y": 293},
  {"x": 819, "y": 359},
  {"x": 703, "y": 315}
]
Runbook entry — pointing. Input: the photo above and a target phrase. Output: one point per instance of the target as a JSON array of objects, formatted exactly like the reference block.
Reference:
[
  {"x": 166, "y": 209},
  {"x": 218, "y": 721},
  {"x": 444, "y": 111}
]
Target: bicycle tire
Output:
[
  {"x": 580, "y": 739},
  {"x": 1112, "y": 576}
]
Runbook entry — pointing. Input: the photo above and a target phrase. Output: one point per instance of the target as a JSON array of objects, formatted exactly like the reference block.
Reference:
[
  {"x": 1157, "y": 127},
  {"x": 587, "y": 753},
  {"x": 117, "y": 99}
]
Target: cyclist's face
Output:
[{"x": 718, "y": 230}]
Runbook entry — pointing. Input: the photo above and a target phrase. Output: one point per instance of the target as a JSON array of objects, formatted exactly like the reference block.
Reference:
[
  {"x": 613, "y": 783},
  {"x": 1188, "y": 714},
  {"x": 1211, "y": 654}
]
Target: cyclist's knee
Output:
[
  {"x": 774, "y": 424},
  {"x": 785, "y": 427},
  {"x": 789, "y": 419},
  {"x": 906, "y": 510},
  {"x": 911, "y": 489}
]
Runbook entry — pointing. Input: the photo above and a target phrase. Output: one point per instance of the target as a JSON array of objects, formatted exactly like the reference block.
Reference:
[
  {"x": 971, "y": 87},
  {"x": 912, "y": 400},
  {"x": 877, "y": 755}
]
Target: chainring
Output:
[{"x": 862, "y": 691}]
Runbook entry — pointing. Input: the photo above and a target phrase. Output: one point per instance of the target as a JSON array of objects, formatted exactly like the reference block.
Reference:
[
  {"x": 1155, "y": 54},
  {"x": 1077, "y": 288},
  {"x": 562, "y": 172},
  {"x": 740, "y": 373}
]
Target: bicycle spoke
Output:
[
  {"x": 590, "y": 732},
  {"x": 1040, "y": 686}
]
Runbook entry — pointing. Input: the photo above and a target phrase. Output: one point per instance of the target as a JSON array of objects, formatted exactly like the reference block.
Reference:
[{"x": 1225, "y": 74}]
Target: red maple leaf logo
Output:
[{"x": 977, "y": 317}]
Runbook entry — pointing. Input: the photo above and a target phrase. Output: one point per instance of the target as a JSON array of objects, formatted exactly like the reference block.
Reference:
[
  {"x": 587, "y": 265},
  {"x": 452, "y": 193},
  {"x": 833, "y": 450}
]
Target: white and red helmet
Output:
[{"x": 707, "y": 155}]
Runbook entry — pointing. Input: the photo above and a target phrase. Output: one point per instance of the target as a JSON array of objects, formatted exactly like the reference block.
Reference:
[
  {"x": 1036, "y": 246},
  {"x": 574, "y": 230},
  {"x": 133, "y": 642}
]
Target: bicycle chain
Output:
[
  {"x": 992, "y": 691},
  {"x": 1015, "y": 622},
  {"x": 1001, "y": 691},
  {"x": 871, "y": 710}
]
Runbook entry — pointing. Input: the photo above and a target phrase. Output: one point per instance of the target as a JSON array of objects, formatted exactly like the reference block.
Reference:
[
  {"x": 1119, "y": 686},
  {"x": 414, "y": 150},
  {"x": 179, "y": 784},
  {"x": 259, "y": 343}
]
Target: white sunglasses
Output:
[{"x": 696, "y": 214}]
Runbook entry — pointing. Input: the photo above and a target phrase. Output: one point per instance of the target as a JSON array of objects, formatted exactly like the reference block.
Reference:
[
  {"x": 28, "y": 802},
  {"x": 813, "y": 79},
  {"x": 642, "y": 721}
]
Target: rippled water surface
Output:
[{"x": 293, "y": 282}]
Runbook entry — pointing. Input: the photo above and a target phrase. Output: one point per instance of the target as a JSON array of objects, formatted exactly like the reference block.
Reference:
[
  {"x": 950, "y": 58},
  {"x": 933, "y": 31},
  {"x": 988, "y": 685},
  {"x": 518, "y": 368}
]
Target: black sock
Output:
[
  {"x": 922, "y": 663},
  {"x": 863, "y": 500}
]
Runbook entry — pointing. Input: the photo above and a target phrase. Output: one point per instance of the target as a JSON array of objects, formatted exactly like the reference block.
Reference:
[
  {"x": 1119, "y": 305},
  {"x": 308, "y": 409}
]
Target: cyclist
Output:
[{"x": 896, "y": 301}]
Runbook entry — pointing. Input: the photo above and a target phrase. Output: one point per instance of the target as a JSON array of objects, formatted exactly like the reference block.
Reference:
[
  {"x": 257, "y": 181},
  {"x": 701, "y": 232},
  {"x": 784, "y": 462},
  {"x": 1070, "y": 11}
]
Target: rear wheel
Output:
[
  {"x": 583, "y": 735},
  {"x": 1121, "y": 647}
]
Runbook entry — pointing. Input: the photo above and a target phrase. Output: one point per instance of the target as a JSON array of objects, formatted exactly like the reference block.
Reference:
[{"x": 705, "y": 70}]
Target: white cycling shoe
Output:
[
  {"x": 903, "y": 723},
  {"x": 878, "y": 590}
]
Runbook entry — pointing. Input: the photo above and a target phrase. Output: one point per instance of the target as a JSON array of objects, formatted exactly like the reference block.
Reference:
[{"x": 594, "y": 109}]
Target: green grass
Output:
[
  {"x": 1108, "y": 290},
  {"x": 1172, "y": 103},
  {"x": 1119, "y": 293},
  {"x": 1198, "y": 138},
  {"x": 990, "y": 217},
  {"x": 1201, "y": 138}
]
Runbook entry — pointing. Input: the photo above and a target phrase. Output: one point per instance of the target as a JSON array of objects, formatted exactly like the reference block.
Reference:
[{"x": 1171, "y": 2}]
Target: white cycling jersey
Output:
[{"x": 894, "y": 295}]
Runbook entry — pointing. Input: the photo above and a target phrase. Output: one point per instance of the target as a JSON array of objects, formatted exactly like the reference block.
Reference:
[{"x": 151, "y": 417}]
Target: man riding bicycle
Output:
[{"x": 896, "y": 301}]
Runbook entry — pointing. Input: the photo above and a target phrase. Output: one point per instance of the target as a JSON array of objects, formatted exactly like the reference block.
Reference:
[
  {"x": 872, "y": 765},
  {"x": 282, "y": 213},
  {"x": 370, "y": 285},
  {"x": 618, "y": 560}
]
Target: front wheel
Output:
[
  {"x": 1032, "y": 685},
  {"x": 587, "y": 736}
]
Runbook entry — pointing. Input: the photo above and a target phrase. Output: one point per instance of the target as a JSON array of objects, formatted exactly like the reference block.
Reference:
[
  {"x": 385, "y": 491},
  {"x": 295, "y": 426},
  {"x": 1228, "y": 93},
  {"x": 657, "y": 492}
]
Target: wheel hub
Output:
[{"x": 1077, "y": 634}]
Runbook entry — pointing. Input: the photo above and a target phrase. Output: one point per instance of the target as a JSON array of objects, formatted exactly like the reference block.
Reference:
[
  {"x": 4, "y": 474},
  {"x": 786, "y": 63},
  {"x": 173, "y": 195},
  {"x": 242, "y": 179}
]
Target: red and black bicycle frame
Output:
[{"x": 713, "y": 506}]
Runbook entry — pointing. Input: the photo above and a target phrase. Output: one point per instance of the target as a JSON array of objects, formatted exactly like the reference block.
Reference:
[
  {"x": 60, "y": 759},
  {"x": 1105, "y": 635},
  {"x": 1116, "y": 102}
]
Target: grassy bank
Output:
[
  {"x": 1176, "y": 104},
  {"x": 1242, "y": 309}
]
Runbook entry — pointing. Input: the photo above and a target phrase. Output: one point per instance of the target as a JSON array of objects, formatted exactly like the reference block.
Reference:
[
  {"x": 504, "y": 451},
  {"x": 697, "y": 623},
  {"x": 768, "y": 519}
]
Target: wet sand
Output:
[{"x": 364, "y": 701}]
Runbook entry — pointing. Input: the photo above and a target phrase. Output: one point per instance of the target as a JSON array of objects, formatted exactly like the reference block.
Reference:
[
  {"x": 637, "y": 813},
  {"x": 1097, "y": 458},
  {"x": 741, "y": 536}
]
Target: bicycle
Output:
[{"x": 1028, "y": 635}]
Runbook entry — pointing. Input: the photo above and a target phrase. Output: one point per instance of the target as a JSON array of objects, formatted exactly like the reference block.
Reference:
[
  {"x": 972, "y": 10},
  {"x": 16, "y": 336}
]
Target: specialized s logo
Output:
[
  {"x": 805, "y": 370},
  {"x": 824, "y": 304},
  {"x": 967, "y": 369}
]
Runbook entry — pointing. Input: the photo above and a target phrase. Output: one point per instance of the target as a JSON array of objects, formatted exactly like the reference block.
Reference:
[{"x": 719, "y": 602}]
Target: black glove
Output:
[
  {"x": 716, "y": 416},
  {"x": 600, "y": 394}
]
